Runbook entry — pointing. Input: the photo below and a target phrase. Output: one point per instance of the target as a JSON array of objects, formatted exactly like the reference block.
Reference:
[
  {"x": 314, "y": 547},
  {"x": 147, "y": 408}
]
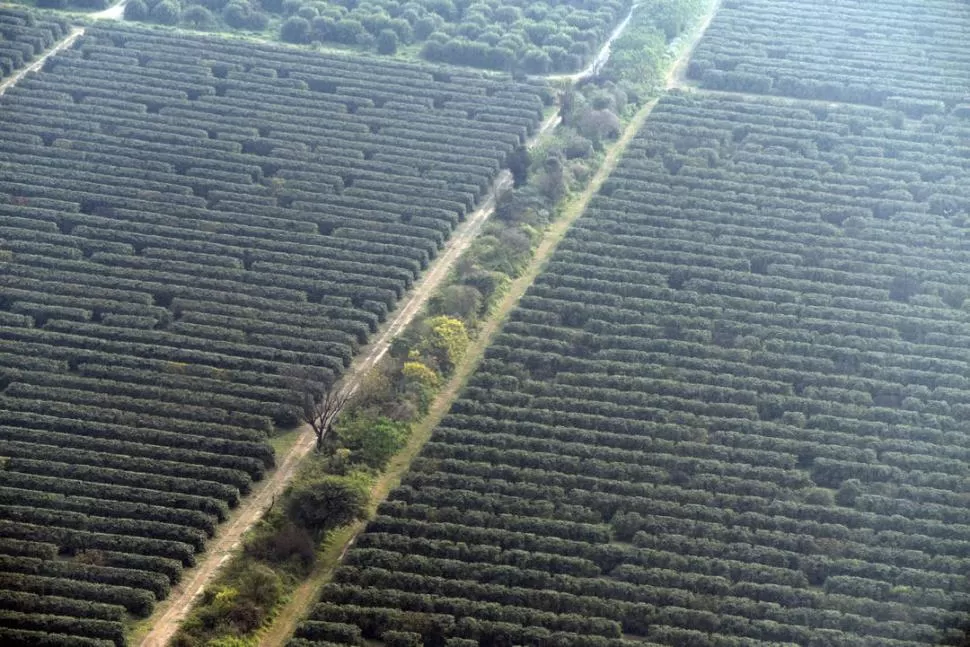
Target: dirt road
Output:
[
  {"x": 170, "y": 613},
  {"x": 64, "y": 43},
  {"x": 114, "y": 12}
]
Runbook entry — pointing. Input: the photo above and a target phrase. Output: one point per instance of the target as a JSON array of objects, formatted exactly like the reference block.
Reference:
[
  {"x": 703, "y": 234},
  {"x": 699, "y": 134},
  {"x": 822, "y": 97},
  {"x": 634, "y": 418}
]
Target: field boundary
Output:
[{"x": 307, "y": 592}]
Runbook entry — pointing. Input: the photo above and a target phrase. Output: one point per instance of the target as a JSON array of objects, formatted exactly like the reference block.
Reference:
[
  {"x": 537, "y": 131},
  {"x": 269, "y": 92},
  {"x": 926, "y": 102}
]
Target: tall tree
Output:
[
  {"x": 519, "y": 166},
  {"x": 320, "y": 410}
]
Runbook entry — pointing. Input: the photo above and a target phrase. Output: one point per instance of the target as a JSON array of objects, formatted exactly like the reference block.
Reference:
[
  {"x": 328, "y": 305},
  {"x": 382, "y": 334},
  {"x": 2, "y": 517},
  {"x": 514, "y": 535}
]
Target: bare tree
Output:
[{"x": 320, "y": 410}]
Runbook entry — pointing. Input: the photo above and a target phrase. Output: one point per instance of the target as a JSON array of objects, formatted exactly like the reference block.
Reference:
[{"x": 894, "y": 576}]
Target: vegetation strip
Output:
[
  {"x": 213, "y": 612},
  {"x": 283, "y": 627},
  {"x": 534, "y": 38},
  {"x": 338, "y": 544},
  {"x": 227, "y": 542}
]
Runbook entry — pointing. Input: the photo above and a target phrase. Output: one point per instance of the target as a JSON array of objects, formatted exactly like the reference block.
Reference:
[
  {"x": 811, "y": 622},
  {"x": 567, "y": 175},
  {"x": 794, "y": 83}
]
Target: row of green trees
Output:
[
  {"x": 874, "y": 53},
  {"x": 537, "y": 38}
]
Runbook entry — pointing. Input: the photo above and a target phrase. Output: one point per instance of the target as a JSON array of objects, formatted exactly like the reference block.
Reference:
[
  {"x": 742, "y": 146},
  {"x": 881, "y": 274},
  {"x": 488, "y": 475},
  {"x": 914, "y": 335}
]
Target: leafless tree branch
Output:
[{"x": 320, "y": 410}]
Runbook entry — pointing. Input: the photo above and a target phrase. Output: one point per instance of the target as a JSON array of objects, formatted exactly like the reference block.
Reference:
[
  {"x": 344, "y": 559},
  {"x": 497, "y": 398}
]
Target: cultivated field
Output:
[
  {"x": 907, "y": 55},
  {"x": 732, "y": 410},
  {"x": 186, "y": 224}
]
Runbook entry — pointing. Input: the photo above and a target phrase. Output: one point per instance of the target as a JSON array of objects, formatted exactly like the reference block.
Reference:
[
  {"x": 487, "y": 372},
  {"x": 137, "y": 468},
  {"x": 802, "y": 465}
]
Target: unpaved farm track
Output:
[
  {"x": 64, "y": 43},
  {"x": 251, "y": 509},
  {"x": 677, "y": 75}
]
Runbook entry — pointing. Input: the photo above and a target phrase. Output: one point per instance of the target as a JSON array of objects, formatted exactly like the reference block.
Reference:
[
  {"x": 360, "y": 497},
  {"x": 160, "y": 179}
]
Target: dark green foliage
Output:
[
  {"x": 165, "y": 12},
  {"x": 241, "y": 15},
  {"x": 136, "y": 601},
  {"x": 340, "y": 633},
  {"x": 197, "y": 17},
  {"x": 461, "y": 301},
  {"x": 402, "y": 639},
  {"x": 518, "y": 163},
  {"x": 372, "y": 440},
  {"x": 324, "y": 505},
  {"x": 60, "y": 606},
  {"x": 555, "y": 36},
  {"x": 295, "y": 30},
  {"x": 180, "y": 238},
  {"x": 283, "y": 543},
  {"x": 136, "y": 10},
  {"x": 387, "y": 42}
]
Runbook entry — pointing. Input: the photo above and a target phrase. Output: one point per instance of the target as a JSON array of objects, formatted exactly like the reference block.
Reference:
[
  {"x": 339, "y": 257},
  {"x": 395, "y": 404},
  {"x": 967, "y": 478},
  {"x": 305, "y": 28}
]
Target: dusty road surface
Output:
[{"x": 114, "y": 12}]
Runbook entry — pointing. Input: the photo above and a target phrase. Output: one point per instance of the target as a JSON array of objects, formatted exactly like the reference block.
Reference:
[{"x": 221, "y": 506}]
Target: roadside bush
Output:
[
  {"x": 373, "y": 441},
  {"x": 326, "y": 504},
  {"x": 165, "y": 13}
]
